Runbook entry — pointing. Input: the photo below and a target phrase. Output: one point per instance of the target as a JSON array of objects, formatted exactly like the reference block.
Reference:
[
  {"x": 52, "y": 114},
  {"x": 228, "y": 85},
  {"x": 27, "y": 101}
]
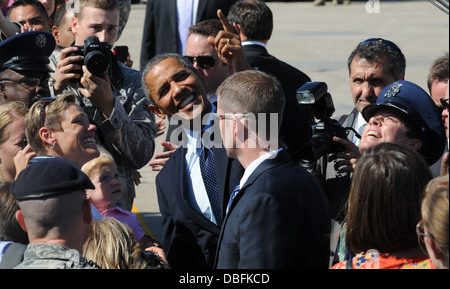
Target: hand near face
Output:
[{"x": 228, "y": 45}]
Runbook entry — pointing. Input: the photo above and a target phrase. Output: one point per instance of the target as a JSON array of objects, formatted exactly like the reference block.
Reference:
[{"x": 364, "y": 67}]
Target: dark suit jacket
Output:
[
  {"x": 161, "y": 28},
  {"x": 295, "y": 129},
  {"x": 279, "y": 219},
  {"x": 189, "y": 239}
]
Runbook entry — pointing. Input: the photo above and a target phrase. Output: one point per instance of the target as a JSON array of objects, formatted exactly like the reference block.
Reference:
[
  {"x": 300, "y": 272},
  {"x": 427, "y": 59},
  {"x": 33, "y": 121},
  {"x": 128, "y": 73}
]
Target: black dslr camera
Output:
[
  {"x": 97, "y": 56},
  {"x": 318, "y": 104}
]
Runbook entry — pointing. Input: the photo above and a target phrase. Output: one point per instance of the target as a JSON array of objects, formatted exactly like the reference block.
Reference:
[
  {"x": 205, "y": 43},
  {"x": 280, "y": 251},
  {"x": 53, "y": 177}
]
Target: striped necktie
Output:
[{"x": 233, "y": 195}]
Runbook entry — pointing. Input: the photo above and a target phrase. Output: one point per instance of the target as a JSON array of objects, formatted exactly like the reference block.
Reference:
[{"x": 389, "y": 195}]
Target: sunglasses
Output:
[
  {"x": 27, "y": 83},
  {"x": 204, "y": 61},
  {"x": 444, "y": 103},
  {"x": 42, "y": 103},
  {"x": 385, "y": 42}
]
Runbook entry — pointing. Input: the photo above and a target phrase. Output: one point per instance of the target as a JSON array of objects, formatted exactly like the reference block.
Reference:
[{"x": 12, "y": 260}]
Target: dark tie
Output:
[
  {"x": 233, "y": 195},
  {"x": 208, "y": 169}
]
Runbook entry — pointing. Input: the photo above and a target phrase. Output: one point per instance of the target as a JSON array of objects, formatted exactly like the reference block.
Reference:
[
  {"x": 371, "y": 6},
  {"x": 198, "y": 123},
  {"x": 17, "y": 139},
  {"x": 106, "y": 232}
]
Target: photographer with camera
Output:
[{"x": 109, "y": 92}]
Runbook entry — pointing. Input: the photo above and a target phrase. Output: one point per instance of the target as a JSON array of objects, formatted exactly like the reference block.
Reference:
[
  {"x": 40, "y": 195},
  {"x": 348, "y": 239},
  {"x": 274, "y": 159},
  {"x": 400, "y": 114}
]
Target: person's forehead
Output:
[
  {"x": 97, "y": 15},
  {"x": 166, "y": 69}
]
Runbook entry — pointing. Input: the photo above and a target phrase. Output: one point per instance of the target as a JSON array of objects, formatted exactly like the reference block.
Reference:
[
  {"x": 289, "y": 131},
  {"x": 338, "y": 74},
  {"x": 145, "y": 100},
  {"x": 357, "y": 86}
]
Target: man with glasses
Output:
[
  {"x": 24, "y": 67},
  {"x": 277, "y": 217}
]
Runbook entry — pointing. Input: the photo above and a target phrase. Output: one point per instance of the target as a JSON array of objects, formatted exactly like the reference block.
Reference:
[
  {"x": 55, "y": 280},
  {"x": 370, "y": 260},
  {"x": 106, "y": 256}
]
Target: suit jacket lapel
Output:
[
  {"x": 201, "y": 10},
  {"x": 279, "y": 160},
  {"x": 182, "y": 191}
]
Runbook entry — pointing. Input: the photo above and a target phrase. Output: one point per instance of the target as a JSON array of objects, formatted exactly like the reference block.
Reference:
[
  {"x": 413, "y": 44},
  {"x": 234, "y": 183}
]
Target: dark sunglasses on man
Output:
[{"x": 203, "y": 61}]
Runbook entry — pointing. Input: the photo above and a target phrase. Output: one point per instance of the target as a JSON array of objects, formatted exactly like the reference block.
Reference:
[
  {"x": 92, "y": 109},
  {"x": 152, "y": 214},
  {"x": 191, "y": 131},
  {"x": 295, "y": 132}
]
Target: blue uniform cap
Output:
[
  {"x": 412, "y": 101},
  {"x": 28, "y": 51},
  {"x": 49, "y": 177}
]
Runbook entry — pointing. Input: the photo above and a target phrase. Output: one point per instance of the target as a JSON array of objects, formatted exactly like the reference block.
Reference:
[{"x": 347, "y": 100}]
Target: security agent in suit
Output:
[
  {"x": 190, "y": 220},
  {"x": 24, "y": 67},
  {"x": 253, "y": 20},
  {"x": 161, "y": 31},
  {"x": 278, "y": 216}
]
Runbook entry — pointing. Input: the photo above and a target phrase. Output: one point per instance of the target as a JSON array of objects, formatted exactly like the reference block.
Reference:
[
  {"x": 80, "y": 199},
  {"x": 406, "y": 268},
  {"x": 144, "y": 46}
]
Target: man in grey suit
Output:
[{"x": 277, "y": 217}]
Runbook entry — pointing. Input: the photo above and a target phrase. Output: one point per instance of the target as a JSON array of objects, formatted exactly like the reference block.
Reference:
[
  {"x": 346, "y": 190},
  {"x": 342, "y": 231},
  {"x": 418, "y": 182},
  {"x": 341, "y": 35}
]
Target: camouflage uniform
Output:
[
  {"x": 53, "y": 256},
  {"x": 129, "y": 134},
  {"x": 124, "y": 13}
]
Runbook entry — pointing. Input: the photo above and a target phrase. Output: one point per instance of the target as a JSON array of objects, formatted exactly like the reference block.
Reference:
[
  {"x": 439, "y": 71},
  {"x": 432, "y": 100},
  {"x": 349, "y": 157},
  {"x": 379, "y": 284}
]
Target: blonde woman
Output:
[
  {"x": 433, "y": 228},
  {"x": 14, "y": 151}
]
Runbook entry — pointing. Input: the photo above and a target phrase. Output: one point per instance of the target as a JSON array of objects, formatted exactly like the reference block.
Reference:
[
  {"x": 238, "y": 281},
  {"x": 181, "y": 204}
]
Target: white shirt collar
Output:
[
  {"x": 248, "y": 42},
  {"x": 253, "y": 165}
]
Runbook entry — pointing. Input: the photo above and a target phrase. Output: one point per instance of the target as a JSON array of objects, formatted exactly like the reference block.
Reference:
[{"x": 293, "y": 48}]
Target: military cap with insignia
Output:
[
  {"x": 49, "y": 177},
  {"x": 412, "y": 101},
  {"x": 28, "y": 51}
]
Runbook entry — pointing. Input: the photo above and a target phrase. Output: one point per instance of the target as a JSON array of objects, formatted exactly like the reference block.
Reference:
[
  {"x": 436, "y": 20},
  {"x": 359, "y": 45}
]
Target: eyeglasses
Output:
[
  {"x": 42, "y": 103},
  {"x": 204, "y": 61},
  {"x": 444, "y": 103},
  {"x": 230, "y": 115},
  {"x": 385, "y": 42},
  {"x": 27, "y": 83}
]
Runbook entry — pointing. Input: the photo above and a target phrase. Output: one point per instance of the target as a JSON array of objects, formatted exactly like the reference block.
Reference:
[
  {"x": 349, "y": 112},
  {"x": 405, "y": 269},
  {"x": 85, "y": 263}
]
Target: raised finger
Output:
[{"x": 225, "y": 24}]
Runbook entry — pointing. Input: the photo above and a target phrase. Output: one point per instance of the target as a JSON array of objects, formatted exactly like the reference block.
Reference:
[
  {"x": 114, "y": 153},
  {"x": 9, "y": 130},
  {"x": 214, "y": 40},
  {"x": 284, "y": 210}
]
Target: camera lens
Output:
[{"x": 96, "y": 62}]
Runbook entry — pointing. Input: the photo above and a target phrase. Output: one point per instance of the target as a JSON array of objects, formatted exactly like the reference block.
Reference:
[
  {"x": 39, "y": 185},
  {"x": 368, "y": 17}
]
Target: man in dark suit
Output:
[
  {"x": 191, "y": 214},
  {"x": 278, "y": 216},
  {"x": 253, "y": 20},
  {"x": 163, "y": 30}
]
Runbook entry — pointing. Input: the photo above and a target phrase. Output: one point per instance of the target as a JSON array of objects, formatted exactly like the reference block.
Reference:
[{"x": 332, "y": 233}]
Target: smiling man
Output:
[
  {"x": 194, "y": 186},
  {"x": 114, "y": 101}
]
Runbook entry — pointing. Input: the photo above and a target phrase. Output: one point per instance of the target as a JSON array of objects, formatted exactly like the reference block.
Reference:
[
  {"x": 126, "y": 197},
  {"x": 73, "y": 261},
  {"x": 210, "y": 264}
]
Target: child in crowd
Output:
[{"x": 108, "y": 192}]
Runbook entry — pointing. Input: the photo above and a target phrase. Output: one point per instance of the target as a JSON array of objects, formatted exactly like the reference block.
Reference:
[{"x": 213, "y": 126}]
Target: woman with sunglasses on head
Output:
[
  {"x": 433, "y": 228},
  {"x": 60, "y": 127},
  {"x": 14, "y": 149}
]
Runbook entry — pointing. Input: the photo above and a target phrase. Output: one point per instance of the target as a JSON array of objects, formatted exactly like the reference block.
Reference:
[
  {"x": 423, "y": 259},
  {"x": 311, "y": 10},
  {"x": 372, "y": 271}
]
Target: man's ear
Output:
[
  {"x": 46, "y": 135},
  {"x": 75, "y": 25},
  {"x": 157, "y": 111},
  {"x": 21, "y": 219}
]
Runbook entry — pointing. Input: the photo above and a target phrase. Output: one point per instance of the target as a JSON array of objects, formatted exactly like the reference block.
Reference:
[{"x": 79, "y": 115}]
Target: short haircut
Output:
[
  {"x": 252, "y": 92},
  {"x": 157, "y": 60},
  {"x": 376, "y": 50},
  {"x": 53, "y": 112},
  {"x": 439, "y": 71},
  {"x": 254, "y": 17},
  {"x": 210, "y": 27},
  {"x": 385, "y": 198},
  {"x": 107, "y": 5},
  {"x": 22, "y": 3},
  {"x": 60, "y": 14}
]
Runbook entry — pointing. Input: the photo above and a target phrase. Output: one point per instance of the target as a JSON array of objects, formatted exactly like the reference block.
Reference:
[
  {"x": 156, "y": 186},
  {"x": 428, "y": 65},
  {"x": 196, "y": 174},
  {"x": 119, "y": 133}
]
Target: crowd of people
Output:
[{"x": 77, "y": 124}]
